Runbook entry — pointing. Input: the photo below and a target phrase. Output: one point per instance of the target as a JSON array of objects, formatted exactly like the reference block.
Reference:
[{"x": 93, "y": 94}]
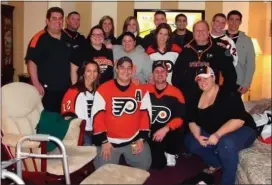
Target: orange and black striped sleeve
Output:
[
  {"x": 34, "y": 49},
  {"x": 178, "y": 109}
]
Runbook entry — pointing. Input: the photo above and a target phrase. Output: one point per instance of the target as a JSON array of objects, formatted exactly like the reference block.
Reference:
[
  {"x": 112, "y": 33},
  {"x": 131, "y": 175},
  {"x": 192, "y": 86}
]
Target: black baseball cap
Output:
[
  {"x": 128, "y": 34},
  {"x": 159, "y": 63},
  {"x": 121, "y": 60}
]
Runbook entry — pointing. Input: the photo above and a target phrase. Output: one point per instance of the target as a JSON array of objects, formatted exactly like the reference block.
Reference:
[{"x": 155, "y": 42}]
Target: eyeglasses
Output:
[{"x": 97, "y": 35}]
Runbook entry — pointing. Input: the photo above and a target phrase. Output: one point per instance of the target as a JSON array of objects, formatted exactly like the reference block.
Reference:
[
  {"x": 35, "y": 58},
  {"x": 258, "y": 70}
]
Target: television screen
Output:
[{"x": 146, "y": 24}]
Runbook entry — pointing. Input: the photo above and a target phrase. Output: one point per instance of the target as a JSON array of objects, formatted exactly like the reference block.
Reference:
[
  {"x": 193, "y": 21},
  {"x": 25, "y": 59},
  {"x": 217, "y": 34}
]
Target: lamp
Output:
[
  {"x": 257, "y": 47},
  {"x": 258, "y": 52}
]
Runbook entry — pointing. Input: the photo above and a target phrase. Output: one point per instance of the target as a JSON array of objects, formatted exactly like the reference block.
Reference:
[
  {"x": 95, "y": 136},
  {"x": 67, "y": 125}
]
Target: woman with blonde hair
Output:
[
  {"x": 106, "y": 22},
  {"x": 131, "y": 25}
]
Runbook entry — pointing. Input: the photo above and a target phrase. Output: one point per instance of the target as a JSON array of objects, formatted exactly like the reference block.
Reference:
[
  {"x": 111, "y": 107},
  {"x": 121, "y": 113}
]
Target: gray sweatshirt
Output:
[
  {"x": 246, "y": 60},
  {"x": 140, "y": 59}
]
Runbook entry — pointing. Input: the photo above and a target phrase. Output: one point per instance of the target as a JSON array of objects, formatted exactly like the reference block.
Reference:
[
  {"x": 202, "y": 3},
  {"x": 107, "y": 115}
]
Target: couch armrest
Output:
[
  {"x": 82, "y": 133},
  {"x": 75, "y": 133},
  {"x": 12, "y": 140}
]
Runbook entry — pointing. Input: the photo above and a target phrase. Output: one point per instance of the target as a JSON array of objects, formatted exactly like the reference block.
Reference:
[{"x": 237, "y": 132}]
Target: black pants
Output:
[
  {"x": 170, "y": 144},
  {"x": 52, "y": 100}
]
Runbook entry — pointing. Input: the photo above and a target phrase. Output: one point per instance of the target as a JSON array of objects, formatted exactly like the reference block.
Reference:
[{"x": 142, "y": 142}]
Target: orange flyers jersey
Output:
[
  {"x": 168, "y": 106},
  {"x": 78, "y": 103},
  {"x": 121, "y": 115}
]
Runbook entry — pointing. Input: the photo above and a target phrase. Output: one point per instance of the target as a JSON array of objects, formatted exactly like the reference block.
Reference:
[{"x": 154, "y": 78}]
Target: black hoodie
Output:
[
  {"x": 187, "y": 38},
  {"x": 193, "y": 57}
]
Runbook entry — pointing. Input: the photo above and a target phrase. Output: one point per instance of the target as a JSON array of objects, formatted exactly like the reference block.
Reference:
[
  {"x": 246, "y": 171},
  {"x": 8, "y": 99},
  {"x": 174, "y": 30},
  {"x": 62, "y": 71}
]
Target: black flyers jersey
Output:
[
  {"x": 104, "y": 58},
  {"x": 168, "y": 107}
]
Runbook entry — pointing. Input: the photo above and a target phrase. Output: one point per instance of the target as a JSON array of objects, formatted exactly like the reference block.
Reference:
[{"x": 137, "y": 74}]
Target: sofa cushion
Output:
[{"x": 255, "y": 164}]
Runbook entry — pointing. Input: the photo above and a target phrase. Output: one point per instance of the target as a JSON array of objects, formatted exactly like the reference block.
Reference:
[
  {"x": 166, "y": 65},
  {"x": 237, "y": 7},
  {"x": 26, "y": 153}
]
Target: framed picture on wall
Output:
[{"x": 145, "y": 18}]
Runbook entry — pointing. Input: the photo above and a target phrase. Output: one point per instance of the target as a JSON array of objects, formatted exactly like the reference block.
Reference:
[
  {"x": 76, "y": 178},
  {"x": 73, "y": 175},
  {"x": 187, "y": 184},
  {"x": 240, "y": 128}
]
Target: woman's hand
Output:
[
  {"x": 160, "y": 134},
  {"x": 213, "y": 140},
  {"x": 106, "y": 150},
  {"x": 203, "y": 141}
]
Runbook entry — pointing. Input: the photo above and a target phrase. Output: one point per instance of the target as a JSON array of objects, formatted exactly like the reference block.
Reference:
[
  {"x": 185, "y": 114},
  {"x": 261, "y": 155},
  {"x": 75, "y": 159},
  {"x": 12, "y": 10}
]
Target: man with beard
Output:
[{"x": 181, "y": 35}]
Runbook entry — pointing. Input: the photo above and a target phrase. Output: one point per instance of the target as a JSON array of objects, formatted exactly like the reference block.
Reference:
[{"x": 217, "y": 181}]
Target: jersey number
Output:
[
  {"x": 67, "y": 106},
  {"x": 233, "y": 52}
]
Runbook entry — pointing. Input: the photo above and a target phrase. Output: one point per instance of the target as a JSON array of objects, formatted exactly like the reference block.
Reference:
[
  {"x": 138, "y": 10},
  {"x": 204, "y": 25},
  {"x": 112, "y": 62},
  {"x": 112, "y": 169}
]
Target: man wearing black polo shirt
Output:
[
  {"x": 47, "y": 60},
  {"x": 79, "y": 42}
]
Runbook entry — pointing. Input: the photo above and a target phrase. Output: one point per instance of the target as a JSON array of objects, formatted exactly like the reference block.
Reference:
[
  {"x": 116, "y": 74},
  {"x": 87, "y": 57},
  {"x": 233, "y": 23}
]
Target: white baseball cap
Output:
[{"x": 204, "y": 72}]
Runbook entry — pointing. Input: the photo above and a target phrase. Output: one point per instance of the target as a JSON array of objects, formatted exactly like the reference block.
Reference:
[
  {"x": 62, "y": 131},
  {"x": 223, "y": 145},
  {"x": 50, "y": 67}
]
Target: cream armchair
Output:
[{"x": 21, "y": 109}]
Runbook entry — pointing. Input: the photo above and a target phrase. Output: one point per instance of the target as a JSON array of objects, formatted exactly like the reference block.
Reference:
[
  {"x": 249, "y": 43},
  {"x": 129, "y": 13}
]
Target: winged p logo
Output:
[
  {"x": 122, "y": 105},
  {"x": 160, "y": 114},
  {"x": 169, "y": 65}
]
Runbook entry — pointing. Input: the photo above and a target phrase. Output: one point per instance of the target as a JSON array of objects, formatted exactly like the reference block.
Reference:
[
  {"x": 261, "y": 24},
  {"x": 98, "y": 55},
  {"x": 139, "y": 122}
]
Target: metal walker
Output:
[{"x": 22, "y": 155}]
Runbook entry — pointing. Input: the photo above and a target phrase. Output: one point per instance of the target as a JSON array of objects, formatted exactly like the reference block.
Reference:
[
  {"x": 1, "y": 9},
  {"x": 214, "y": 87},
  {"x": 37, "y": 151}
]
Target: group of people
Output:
[{"x": 136, "y": 93}]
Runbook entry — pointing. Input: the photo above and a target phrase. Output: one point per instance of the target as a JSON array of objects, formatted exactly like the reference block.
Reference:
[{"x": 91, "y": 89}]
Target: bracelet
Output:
[{"x": 217, "y": 135}]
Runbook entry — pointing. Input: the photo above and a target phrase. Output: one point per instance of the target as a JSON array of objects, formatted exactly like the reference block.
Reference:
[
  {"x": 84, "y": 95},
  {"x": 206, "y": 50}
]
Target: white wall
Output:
[
  {"x": 147, "y": 5},
  {"x": 36, "y": 12},
  {"x": 99, "y": 9},
  {"x": 191, "y": 5},
  {"x": 243, "y": 7},
  {"x": 68, "y": 7}
]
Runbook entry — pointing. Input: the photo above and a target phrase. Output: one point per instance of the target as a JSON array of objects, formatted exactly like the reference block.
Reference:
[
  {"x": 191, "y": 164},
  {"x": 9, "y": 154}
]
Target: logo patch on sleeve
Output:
[{"x": 122, "y": 105}]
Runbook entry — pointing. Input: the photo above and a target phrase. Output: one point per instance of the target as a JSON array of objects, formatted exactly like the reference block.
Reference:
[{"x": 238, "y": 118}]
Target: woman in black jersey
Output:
[
  {"x": 98, "y": 52},
  {"x": 131, "y": 25},
  {"x": 220, "y": 127}
]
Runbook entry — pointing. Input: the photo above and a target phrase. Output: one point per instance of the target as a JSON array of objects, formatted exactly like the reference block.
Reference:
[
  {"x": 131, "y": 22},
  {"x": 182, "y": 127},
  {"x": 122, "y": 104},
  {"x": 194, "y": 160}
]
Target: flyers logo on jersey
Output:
[
  {"x": 122, "y": 105},
  {"x": 169, "y": 65},
  {"x": 160, "y": 114}
]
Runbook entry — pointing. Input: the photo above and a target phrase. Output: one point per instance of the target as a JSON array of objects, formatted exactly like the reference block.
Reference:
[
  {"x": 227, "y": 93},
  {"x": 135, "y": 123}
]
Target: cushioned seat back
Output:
[{"x": 21, "y": 108}]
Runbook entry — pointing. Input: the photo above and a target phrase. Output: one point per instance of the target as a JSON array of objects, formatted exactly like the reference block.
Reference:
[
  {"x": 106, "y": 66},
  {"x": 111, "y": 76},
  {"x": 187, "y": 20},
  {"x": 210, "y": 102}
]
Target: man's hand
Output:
[
  {"x": 39, "y": 87},
  {"x": 203, "y": 141},
  {"x": 106, "y": 150},
  {"x": 160, "y": 134},
  {"x": 139, "y": 146},
  {"x": 243, "y": 90}
]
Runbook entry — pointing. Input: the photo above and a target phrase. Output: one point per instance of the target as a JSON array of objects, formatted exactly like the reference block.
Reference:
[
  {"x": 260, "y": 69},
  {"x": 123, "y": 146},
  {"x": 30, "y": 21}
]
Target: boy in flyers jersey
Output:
[
  {"x": 121, "y": 116},
  {"x": 168, "y": 110},
  {"x": 78, "y": 100}
]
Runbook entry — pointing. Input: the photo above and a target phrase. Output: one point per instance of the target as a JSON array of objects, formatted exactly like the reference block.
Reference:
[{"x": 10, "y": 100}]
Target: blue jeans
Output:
[
  {"x": 225, "y": 153},
  {"x": 87, "y": 139}
]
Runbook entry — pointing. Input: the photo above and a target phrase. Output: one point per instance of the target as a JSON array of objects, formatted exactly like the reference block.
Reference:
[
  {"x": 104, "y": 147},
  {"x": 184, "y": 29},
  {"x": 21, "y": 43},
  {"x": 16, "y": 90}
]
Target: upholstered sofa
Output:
[{"x": 255, "y": 162}]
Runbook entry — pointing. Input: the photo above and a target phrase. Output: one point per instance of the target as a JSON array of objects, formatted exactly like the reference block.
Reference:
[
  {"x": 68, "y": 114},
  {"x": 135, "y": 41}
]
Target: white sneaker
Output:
[{"x": 171, "y": 159}]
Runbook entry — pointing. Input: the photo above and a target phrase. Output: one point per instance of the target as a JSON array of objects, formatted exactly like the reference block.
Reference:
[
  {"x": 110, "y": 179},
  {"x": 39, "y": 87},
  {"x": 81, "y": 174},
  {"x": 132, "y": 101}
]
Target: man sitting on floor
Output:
[{"x": 121, "y": 117}]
